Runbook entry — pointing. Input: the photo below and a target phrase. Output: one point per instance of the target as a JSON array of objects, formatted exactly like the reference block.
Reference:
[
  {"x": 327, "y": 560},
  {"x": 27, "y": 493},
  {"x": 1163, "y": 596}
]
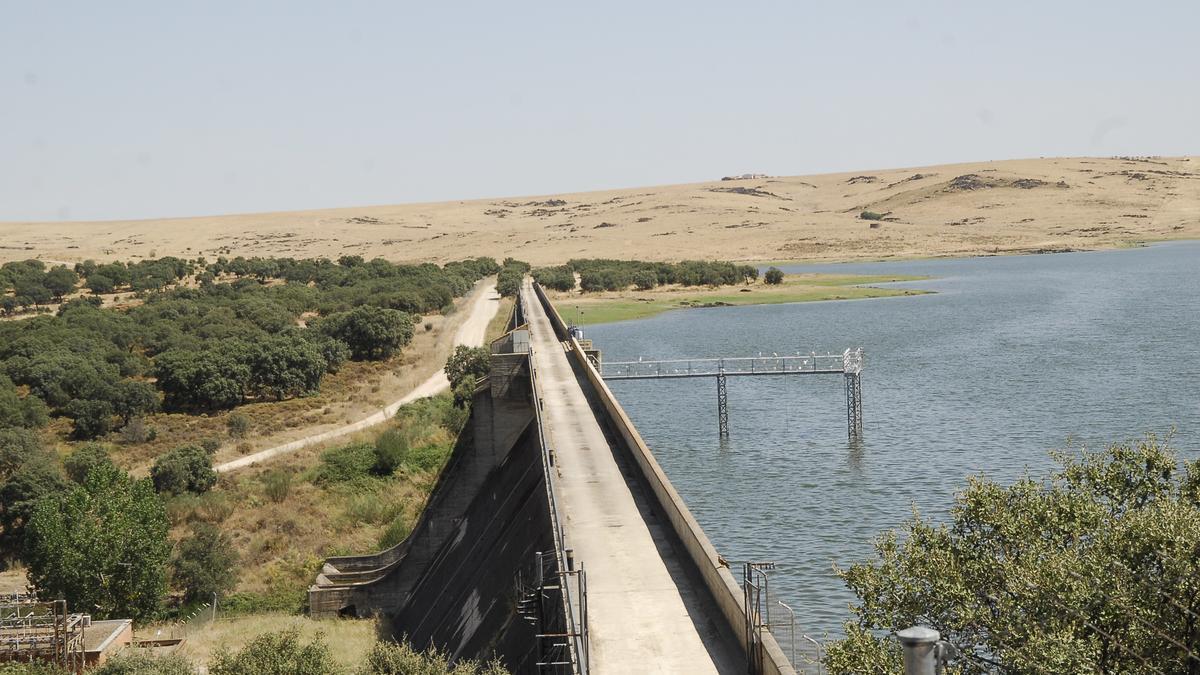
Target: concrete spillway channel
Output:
[{"x": 550, "y": 463}]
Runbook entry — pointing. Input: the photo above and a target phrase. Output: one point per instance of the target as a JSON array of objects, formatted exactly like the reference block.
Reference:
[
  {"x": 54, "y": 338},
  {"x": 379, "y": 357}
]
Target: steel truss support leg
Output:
[
  {"x": 854, "y": 421},
  {"x": 722, "y": 404}
]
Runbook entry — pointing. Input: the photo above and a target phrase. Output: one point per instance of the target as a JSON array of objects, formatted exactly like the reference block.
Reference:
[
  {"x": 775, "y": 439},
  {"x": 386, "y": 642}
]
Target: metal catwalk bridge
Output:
[{"x": 849, "y": 364}]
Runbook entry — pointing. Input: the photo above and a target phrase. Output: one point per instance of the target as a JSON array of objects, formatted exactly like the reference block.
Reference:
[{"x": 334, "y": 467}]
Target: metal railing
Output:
[
  {"x": 574, "y": 600},
  {"x": 798, "y": 364}
]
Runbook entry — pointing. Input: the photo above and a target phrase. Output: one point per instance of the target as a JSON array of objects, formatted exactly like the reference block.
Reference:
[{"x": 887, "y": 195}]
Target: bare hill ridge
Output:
[{"x": 961, "y": 209}]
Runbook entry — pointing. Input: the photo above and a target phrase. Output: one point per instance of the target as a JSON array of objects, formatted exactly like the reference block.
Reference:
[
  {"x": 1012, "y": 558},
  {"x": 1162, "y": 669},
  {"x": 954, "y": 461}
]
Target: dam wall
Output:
[{"x": 463, "y": 579}]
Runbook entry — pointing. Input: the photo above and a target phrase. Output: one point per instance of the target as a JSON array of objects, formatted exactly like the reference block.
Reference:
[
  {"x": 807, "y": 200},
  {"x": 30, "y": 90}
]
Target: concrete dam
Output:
[{"x": 553, "y": 540}]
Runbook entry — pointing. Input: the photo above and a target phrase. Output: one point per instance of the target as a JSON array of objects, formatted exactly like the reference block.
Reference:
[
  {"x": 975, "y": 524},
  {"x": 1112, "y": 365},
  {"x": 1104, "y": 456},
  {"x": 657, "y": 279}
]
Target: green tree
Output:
[
  {"x": 183, "y": 469},
  {"x": 205, "y": 563},
  {"x": 92, "y": 419},
  {"x": 1095, "y": 569},
  {"x": 281, "y": 653},
  {"x": 60, "y": 281},
  {"x": 17, "y": 411},
  {"x": 206, "y": 380},
  {"x": 34, "y": 478},
  {"x": 134, "y": 398},
  {"x": 284, "y": 366},
  {"x": 774, "y": 276},
  {"x": 100, "y": 284},
  {"x": 475, "y": 361},
  {"x": 371, "y": 333},
  {"x": 102, "y": 546},
  {"x": 31, "y": 293},
  {"x": 85, "y": 459},
  {"x": 464, "y": 391}
]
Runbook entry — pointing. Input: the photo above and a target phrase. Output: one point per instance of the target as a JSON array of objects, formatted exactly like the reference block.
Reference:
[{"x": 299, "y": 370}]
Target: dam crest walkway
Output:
[{"x": 645, "y": 612}]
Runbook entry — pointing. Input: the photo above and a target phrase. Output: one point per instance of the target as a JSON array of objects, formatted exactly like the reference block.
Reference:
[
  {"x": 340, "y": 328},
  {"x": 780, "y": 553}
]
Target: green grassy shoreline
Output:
[{"x": 581, "y": 309}]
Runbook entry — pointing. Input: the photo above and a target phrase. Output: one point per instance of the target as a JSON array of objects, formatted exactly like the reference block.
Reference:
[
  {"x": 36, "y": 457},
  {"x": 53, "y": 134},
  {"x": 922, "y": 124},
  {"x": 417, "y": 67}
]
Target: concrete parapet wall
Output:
[{"x": 718, "y": 579}]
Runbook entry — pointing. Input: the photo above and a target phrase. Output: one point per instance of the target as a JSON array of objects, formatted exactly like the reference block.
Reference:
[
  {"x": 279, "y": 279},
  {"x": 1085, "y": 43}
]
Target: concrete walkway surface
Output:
[{"x": 645, "y": 614}]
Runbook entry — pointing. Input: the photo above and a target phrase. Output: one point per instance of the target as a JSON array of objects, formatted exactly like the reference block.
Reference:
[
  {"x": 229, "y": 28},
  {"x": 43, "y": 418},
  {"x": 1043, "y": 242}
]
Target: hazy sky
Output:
[{"x": 141, "y": 109}]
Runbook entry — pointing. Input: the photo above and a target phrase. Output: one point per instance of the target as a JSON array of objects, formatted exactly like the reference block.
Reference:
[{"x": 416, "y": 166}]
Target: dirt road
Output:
[{"x": 470, "y": 333}]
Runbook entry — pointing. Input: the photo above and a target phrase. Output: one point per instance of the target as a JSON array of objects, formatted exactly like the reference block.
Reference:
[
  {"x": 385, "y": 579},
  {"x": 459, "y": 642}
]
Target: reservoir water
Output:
[{"x": 1012, "y": 357}]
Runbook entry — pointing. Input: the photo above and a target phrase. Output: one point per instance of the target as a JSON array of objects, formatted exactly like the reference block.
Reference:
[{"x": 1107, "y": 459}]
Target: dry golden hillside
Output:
[{"x": 961, "y": 209}]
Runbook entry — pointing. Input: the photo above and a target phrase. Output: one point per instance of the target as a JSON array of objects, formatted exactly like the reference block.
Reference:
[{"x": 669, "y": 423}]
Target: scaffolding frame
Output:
[{"x": 41, "y": 631}]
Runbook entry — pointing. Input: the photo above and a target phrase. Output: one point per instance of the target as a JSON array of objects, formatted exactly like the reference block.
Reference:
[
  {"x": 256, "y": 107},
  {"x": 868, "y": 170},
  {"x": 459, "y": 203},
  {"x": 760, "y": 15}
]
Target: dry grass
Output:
[
  {"x": 499, "y": 322},
  {"x": 13, "y": 581},
  {"x": 282, "y": 539},
  {"x": 1010, "y": 206},
  {"x": 348, "y": 639}
]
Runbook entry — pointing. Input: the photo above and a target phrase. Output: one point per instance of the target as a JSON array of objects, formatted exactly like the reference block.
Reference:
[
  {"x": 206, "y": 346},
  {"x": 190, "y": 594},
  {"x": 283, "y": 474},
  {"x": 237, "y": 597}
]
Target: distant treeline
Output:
[
  {"x": 212, "y": 335},
  {"x": 596, "y": 274},
  {"x": 27, "y": 284}
]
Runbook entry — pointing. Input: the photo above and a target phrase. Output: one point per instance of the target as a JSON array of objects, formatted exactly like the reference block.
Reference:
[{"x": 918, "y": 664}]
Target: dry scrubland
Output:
[{"x": 952, "y": 210}]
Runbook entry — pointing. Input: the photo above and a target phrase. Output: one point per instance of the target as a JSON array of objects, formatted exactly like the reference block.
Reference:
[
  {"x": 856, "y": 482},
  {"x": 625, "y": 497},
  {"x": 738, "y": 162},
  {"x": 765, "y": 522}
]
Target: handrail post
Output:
[{"x": 920, "y": 650}]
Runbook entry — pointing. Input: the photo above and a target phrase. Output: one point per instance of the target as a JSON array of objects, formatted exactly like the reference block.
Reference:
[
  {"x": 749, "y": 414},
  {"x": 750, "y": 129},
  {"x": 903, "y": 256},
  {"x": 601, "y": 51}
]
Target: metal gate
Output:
[{"x": 755, "y": 591}]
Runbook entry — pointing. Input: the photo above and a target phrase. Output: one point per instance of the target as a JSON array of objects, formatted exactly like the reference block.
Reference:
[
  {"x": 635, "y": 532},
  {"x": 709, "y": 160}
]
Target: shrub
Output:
[
  {"x": 454, "y": 418},
  {"x": 184, "y": 469},
  {"x": 428, "y": 457},
  {"x": 373, "y": 504},
  {"x": 464, "y": 391},
  {"x": 136, "y": 431},
  {"x": 136, "y": 663},
  {"x": 238, "y": 425},
  {"x": 34, "y": 668},
  {"x": 280, "y": 653},
  {"x": 774, "y": 276},
  {"x": 391, "y": 450},
  {"x": 396, "y": 532},
  {"x": 84, "y": 460},
  {"x": 345, "y": 463},
  {"x": 277, "y": 484},
  {"x": 870, "y": 215},
  {"x": 205, "y": 563},
  {"x": 391, "y": 658}
]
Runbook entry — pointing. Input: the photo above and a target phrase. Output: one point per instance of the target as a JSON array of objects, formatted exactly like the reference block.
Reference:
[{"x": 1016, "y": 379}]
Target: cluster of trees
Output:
[
  {"x": 352, "y": 282},
  {"x": 508, "y": 282},
  {"x": 98, "y": 536},
  {"x": 614, "y": 275},
  {"x": 142, "y": 276},
  {"x": 216, "y": 345},
  {"x": 27, "y": 284},
  {"x": 1093, "y": 570}
]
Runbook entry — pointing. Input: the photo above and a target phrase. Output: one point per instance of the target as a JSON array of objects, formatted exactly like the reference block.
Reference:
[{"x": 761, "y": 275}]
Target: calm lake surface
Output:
[{"x": 1013, "y": 356}]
